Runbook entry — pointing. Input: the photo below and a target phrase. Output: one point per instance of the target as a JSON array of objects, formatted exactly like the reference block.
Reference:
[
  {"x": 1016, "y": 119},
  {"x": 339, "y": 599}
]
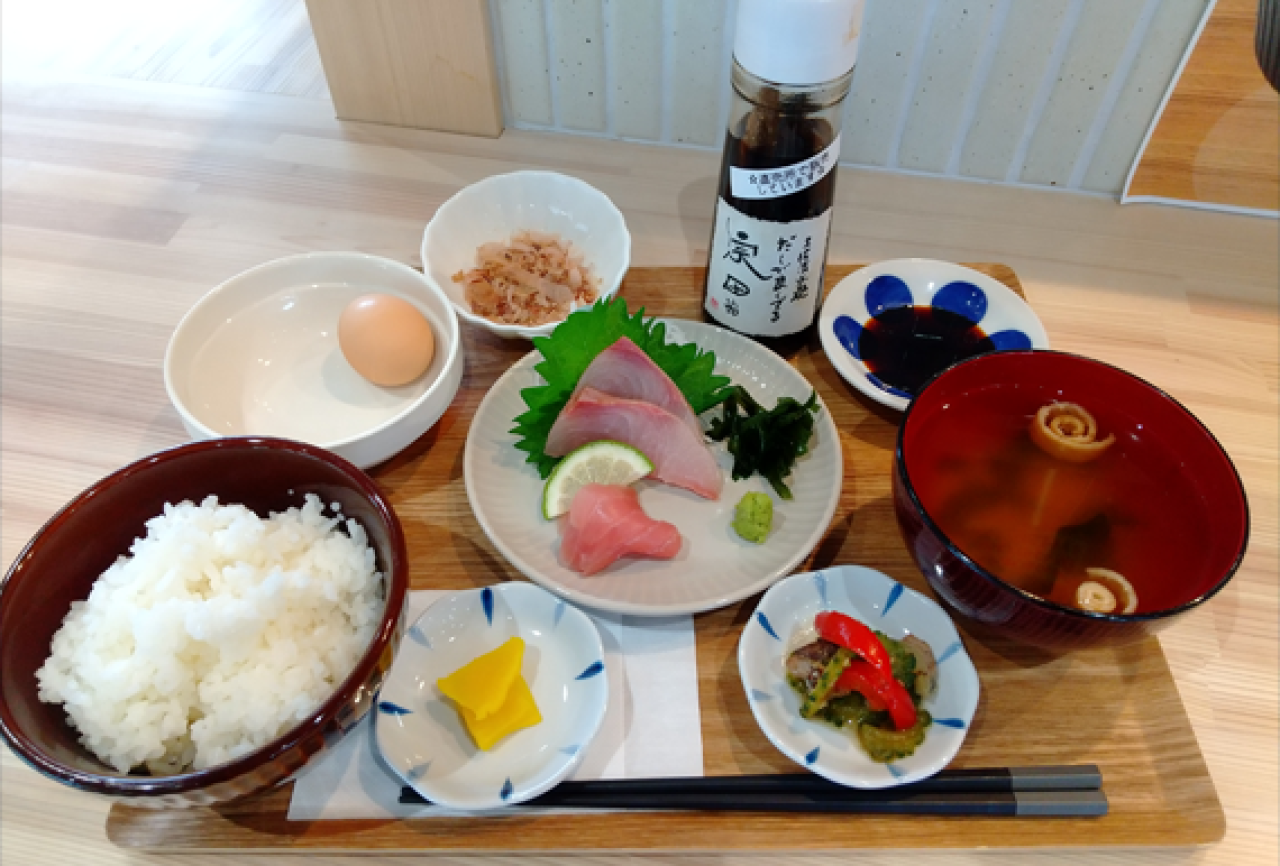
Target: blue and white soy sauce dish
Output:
[
  {"x": 890, "y": 327},
  {"x": 420, "y": 734},
  {"x": 786, "y": 612}
]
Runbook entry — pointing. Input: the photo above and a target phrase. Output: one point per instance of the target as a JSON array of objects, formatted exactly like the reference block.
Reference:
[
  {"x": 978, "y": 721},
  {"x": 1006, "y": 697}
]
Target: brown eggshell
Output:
[{"x": 386, "y": 339}]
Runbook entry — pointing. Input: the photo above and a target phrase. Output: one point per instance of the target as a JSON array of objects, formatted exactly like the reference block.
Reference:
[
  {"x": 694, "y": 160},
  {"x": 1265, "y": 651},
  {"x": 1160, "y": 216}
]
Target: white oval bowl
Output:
[
  {"x": 787, "y": 611},
  {"x": 924, "y": 278},
  {"x": 259, "y": 355},
  {"x": 418, "y": 730},
  {"x": 499, "y": 206}
]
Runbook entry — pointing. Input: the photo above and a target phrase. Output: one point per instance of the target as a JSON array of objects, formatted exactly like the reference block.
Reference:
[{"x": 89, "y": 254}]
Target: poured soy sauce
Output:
[{"x": 904, "y": 347}]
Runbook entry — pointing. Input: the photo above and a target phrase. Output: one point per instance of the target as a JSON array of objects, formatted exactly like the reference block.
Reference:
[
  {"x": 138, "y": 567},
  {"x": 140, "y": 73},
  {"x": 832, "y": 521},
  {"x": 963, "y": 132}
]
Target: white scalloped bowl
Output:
[
  {"x": 1006, "y": 319},
  {"x": 883, "y": 604},
  {"x": 418, "y": 730},
  {"x": 499, "y": 206}
]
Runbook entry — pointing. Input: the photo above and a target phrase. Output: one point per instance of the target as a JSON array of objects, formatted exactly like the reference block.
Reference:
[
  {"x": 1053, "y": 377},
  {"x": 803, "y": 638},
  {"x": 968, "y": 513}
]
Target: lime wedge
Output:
[{"x": 603, "y": 462}]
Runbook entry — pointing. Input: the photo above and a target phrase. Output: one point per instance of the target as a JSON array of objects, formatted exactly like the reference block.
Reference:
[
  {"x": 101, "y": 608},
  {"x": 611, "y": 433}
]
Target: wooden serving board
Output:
[{"x": 1118, "y": 708}]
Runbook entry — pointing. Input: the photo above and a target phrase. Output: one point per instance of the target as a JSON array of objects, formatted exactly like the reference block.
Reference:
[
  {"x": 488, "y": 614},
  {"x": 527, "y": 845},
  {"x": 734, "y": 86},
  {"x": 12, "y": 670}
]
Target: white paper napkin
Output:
[{"x": 651, "y": 728}]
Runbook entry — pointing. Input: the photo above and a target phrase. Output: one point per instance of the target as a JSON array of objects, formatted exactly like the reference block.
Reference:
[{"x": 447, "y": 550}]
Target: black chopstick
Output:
[
  {"x": 994, "y": 779},
  {"x": 997, "y": 803},
  {"x": 1068, "y": 791}
]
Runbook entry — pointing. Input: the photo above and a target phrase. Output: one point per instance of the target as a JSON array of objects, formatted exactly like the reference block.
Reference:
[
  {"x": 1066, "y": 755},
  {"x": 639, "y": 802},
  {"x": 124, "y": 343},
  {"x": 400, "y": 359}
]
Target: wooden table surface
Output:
[{"x": 121, "y": 205}]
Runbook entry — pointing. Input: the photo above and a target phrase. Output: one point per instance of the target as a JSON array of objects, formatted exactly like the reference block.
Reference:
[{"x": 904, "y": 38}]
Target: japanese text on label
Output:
[
  {"x": 764, "y": 278},
  {"x": 776, "y": 182}
]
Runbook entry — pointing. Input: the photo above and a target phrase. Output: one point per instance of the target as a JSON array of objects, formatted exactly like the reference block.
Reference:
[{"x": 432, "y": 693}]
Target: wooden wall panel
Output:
[
  {"x": 1217, "y": 142},
  {"x": 427, "y": 64}
]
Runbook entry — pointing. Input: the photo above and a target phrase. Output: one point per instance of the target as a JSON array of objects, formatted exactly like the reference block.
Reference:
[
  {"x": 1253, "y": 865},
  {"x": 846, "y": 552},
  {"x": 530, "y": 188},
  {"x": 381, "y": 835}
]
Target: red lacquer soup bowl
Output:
[
  {"x": 1162, "y": 506},
  {"x": 60, "y": 564}
]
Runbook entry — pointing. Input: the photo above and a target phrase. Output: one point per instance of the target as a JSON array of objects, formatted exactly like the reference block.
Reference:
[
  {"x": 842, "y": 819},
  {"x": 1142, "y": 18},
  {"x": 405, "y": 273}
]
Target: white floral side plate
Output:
[
  {"x": 787, "y": 610},
  {"x": 1005, "y": 318},
  {"x": 420, "y": 734}
]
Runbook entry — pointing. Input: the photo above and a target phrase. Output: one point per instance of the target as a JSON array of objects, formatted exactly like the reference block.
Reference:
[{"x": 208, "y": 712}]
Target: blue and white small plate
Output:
[
  {"x": 420, "y": 733},
  {"x": 1003, "y": 316},
  {"x": 784, "y": 621}
]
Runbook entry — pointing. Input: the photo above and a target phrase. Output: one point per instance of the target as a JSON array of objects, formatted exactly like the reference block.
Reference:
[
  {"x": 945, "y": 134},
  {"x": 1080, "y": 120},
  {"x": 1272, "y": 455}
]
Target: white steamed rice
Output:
[{"x": 220, "y": 632}]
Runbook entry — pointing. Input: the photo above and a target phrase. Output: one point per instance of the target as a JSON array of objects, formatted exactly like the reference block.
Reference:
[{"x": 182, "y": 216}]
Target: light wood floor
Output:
[
  {"x": 254, "y": 46},
  {"x": 124, "y": 201}
]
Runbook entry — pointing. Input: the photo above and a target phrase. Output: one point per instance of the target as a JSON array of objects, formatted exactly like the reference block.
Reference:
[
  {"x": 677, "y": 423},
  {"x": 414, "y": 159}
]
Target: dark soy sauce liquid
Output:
[
  {"x": 767, "y": 140},
  {"x": 907, "y": 346}
]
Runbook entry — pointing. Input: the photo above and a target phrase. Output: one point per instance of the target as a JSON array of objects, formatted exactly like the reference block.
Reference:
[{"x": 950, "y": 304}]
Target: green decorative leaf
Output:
[{"x": 572, "y": 346}]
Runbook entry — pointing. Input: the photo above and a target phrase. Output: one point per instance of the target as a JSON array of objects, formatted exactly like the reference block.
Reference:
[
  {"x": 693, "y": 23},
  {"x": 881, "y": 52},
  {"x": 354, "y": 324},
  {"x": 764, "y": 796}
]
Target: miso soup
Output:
[{"x": 1030, "y": 518}]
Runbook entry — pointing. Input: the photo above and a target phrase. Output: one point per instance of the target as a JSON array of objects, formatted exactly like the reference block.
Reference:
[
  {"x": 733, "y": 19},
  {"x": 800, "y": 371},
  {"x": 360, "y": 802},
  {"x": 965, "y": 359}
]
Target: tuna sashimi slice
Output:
[
  {"x": 679, "y": 455},
  {"x": 624, "y": 370},
  {"x": 605, "y": 523}
]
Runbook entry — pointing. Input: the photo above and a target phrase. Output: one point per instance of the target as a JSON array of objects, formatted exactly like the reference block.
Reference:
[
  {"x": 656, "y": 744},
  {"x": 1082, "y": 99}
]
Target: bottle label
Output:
[
  {"x": 765, "y": 278},
  {"x": 777, "y": 182}
]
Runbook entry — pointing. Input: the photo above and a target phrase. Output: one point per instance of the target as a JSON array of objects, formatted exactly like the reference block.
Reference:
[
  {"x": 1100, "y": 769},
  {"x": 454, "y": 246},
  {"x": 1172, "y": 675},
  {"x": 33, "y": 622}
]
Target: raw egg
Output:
[{"x": 386, "y": 339}]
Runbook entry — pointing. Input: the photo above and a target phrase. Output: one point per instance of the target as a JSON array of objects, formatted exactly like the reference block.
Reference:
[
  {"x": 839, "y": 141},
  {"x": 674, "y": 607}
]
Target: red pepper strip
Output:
[
  {"x": 860, "y": 676},
  {"x": 847, "y": 632},
  {"x": 859, "y": 681}
]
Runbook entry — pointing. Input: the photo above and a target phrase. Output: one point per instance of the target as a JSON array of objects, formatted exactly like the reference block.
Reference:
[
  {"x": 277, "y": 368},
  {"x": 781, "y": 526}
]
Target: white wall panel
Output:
[
  {"x": 1172, "y": 27},
  {"x": 520, "y": 33},
  {"x": 952, "y": 56},
  {"x": 699, "y": 62},
  {"x": 634, "y": 47},
  {"x": 1042, "y": 92},
  {"x": 1100, "y": 35},
  {"x": 892, "y": 36},
  {"x": 1111, "y": 94},
  {"x": 576, "y": 43},
  {"x": 1018, "y": 62}
]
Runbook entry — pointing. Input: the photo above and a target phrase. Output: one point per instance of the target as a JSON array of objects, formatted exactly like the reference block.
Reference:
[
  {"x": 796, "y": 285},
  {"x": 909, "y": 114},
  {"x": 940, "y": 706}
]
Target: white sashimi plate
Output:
[{"x": 714, "y": 567}]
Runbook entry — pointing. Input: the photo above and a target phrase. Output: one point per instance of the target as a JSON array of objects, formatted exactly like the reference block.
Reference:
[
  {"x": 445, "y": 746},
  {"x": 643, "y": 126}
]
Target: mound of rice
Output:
[{"x": 217, "y": 634}]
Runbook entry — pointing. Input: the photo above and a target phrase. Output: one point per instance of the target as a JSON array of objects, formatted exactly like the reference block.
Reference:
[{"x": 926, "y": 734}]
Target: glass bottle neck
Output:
[{"x": 789, "y": 98}]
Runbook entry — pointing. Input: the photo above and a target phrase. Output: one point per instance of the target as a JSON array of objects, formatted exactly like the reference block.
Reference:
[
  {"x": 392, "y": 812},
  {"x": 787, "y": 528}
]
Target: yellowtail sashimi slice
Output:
[
  {"x": 679, "y": 456},
  {"x": 625, "y": 370}
]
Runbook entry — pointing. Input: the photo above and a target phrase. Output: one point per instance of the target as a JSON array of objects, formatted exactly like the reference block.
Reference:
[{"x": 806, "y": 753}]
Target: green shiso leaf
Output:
[{"x": 573, "y": 345}]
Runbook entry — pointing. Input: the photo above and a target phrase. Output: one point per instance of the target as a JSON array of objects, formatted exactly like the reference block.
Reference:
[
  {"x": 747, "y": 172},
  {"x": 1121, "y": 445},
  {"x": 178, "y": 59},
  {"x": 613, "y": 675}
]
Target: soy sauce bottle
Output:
[{"x": 793, "y": 62}]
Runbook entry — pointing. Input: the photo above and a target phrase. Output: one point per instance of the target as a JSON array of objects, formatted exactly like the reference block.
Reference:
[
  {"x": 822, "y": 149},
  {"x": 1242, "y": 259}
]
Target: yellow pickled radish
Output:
[
  {"x": 519, "y": 711},
  {"x": 481, "y": 686}
]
